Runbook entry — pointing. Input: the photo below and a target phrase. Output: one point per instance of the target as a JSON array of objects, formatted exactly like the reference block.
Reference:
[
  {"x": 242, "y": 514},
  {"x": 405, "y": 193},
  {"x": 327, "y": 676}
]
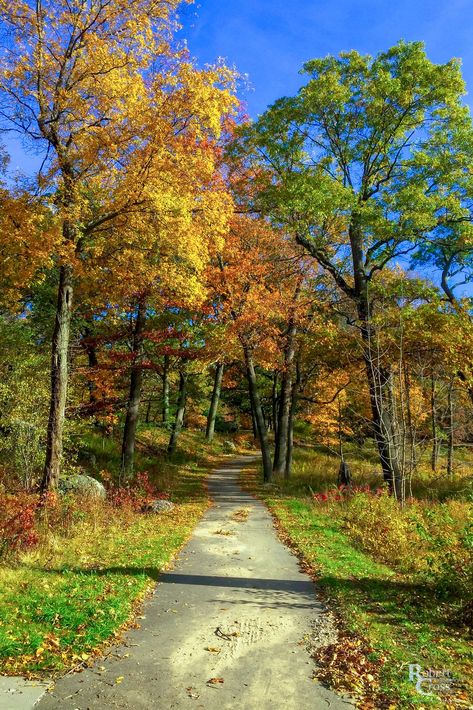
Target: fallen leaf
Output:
[
  {"x": 215, "y": 681},
  {"x": 119, "y": 679},
  {"x": 212, "y": 649},
  {"x": 191, "y": 693}
]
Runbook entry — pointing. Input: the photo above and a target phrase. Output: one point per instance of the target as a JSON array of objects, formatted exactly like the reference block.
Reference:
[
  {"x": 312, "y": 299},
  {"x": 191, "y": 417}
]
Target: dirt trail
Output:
[{"x": 235, "y": 610}]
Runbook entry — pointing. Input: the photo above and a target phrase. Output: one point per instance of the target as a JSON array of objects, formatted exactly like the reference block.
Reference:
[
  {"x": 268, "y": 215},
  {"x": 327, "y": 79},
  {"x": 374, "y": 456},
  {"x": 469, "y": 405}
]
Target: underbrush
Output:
[
  {"x": 74, "y": 569},
  {"x": 401, "y": 580}
]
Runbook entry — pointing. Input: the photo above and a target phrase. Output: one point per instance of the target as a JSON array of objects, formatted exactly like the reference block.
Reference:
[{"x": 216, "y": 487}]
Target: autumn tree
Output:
[
  {"x": 254, "y": 282},
  {"x": 351, "y": 176},
  {"x": 85, "y": 84}
]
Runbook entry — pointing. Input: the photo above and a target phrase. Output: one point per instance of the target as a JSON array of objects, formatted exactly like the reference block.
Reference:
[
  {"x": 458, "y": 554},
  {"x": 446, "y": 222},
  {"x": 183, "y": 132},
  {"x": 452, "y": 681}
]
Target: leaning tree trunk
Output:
[
  {"x": 280, "y": 453},
  {"x": 212, "y": 416},
  {"x": 254, "y": 425},
  {"x": 134, "y": 398},
  {"x": 165, "y": 411},
  {"x": 181, "y": 408},
  {"x": 59, "y": 378},
  {"x": 259, "y": 417}
]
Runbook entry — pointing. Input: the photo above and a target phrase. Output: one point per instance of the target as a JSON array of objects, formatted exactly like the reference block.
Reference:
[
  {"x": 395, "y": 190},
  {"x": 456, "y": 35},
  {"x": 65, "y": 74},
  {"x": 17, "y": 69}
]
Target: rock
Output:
[
  {"x": 83, "y": 486},
  {"x": 159, "y": 506},
  {"x": 229, "y": 446}
]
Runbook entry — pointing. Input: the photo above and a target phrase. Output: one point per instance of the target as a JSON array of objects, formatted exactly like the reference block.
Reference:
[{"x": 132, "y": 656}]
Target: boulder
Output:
[
  {"x": 229, "y": 446},
  {"x": 82, "y": 485},
  {"x": 159, "y": 506}
]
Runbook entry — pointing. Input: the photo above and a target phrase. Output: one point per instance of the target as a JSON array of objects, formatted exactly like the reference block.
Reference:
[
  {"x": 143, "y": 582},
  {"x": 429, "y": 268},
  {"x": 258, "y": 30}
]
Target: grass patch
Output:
[
  {"x": 64, "y": 599},
  {"x": 401, "y": 618}
]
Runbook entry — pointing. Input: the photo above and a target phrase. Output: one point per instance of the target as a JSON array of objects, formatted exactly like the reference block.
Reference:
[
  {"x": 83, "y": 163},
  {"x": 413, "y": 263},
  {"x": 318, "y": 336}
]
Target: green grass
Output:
[
  {"x": 60, "y": 602},
  {"x": 316, "y": 468},
  {"x": 401, "y": 618}
]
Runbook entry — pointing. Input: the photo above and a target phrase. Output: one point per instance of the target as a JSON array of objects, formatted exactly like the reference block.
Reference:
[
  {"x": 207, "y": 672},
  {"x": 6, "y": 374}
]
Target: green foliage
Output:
[
  {"x": 95, "y": 560},
  {"x": 360, "y": 137},
  {"x": 23, "y": 400},
  {"x": 400, "y": 578}
]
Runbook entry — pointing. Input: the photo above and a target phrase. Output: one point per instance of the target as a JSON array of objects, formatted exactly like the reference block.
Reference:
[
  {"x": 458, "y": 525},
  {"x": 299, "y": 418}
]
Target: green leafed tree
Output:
[{"x": 365, "y": 166}]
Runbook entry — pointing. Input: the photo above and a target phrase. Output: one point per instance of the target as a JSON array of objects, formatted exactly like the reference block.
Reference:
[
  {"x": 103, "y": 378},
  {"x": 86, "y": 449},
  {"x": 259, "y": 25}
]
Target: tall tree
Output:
[
  {"x": 77, "y": 81},
  {"x": 345, "y": 167}
]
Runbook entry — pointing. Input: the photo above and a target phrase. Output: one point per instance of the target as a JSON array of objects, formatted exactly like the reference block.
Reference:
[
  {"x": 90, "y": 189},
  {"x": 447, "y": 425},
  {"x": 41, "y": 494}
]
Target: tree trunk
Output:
[
  {"x": 59, "y": 379},
  {"x": 259, "y": 417},
  {"x": 382, "y": 405},
  {"x": 274, "y": 403},
  {"x": 410, "y": 422},
  {"x": 451, "y": 425},
  {"x": 253, "y": 420},
  {"x": 181, "y": 407},
  {"x": 134, "y": 397},
  {"x": 209, "y": 434},
  {"x": 292, "y": 414},
  {"x": 93, "y": 362},
  {"x": 435, "y": 438},
  {"x": 148, "y": 412},
  {"x": 280, "y": 454},
  {"x": 165, "y": 413}
]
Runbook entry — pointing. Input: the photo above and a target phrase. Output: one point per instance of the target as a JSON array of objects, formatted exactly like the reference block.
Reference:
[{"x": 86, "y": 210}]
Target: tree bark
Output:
[
  {"x": 274, "y": 404},
  {"x": 181, "y": 407},
  {"x": 383, "y": 412},
  {"x": 165, "y": 411},
  {"x": 134, "y": 397},
  {"x": 292, "y": 414},
  {"x": 253, "y": 420},
  {"x": 93, "y": 362},
  {"x": 280, "y": 454},
  {"x": 410, "y": 421},
  {"x": 435, "y": 438},
  {"x": 451, "y": 425},
  {"x": 209, "y": 433},
  {"x": 259, "y": 417},
  {"x": 59, "y": 379}
]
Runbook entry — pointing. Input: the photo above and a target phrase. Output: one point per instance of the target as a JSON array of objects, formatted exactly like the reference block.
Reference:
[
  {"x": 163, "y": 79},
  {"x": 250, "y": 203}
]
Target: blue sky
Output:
[{"x": 269, "y": 40}]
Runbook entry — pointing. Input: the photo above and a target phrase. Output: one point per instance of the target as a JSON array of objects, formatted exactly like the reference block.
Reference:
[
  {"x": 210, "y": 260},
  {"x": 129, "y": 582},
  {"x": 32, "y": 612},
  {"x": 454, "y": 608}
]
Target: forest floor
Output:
[
  {"x": 236, "y": 620},
  {"x": 375, "y": 566},
  {"x": 64, "y": 598},
  {"x": 232, "y": 625}
]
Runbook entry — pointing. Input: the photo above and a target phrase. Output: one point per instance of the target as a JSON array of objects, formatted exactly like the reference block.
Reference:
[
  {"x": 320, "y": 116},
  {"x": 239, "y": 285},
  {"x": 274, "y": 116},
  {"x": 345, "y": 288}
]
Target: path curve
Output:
[{"x": 235, "y": 608}]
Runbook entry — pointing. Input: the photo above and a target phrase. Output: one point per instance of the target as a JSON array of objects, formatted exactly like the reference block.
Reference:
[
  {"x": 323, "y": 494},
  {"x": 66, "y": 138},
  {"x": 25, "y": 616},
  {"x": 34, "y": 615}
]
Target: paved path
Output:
[{"x": 236, "y": 608}]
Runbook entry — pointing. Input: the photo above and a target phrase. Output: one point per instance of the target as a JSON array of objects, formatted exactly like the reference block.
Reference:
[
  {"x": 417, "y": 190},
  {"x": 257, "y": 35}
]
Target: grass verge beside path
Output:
[
  {"x": 388, "y": 619},
  {"x": 62, "y": 601}
]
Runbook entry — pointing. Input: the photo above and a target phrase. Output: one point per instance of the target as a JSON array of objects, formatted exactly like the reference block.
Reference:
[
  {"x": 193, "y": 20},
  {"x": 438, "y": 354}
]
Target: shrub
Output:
[
  {"x": 378, "y": 525},
  {"x": 136, "y": 495},
  {"x": 335, "y": 495},
  {"x": 17, "y": 523}
]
